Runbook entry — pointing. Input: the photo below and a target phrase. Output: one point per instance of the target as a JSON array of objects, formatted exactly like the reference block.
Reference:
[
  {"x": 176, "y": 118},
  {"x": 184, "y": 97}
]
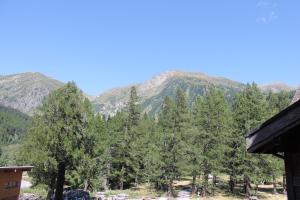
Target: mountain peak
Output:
[
  {"x": 161, "y": 78},
  {"x": 164, "y": 84},
  {"x": 157, "y": 80}
]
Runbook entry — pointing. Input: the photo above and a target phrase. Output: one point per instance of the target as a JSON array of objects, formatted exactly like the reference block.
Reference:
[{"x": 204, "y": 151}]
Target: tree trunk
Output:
[
  {"x": 284, "y": 184},
  {"x": 274, "y": 185},
  {"x": 86, "y": 185},
  {"x": 170, "y": 189},
  {"x": 247, "y": 186},
  {"x": 104, "y": 182},
  {"x": 122, "y": 179},
  {"x": 231, "y": 184},
  {"x": 60, "y": 181},
  {"x": 214, "y": 184},
  {"x": 194, "y": 185},
  {"x": 256, "y": 189},
  {"x": 205, "y": 184},
  {"x": 107, "y": 175},
  {"x": 51, "y": 187},
  {"x": 136, "y": 182}
]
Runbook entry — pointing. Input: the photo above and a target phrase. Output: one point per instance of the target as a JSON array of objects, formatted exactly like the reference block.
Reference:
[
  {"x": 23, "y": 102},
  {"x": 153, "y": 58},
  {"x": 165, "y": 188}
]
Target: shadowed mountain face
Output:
[{"x": 25, "y": 92}]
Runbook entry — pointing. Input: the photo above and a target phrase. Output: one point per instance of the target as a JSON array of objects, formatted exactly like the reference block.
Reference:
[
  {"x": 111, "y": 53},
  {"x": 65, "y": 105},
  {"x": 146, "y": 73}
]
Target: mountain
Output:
[
  {"x": 153, "y": 91},
  {"x": 277, "y": 87},
  {"x": 26, "y": 91}
]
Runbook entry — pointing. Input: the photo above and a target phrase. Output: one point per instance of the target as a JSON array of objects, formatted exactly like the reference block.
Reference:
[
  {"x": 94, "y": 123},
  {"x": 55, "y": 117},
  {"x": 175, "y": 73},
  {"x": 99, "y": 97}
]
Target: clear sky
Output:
[{"x": 103, "y": 44}]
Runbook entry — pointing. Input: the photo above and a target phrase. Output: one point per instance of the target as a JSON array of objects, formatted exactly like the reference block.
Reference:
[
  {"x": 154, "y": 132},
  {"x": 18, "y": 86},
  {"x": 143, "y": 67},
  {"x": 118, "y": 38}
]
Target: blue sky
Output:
[{"x": 104, "y": 44}]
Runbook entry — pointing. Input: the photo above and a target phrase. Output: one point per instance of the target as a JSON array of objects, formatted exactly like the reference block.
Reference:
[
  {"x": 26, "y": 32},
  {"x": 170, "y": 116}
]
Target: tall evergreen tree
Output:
[
  {"x": 59, "y": 136},
  {"x": 125, "y": 146},
  {"x": 118, "y": 158},
  {"x": 169, "y": 144},
  {"x": 213, "y": 120},
  {"x": 250, "y": 110},
  {"x": 173, "y": 121},
  {"x": 273, "y": 167}
]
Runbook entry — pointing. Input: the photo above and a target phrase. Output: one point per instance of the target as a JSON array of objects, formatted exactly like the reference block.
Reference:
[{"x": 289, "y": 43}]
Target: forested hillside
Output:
[
  {"x": 200, "y": 139},
  {"x": 13, "y": 128},
  {"x": 13, "y": 125}
]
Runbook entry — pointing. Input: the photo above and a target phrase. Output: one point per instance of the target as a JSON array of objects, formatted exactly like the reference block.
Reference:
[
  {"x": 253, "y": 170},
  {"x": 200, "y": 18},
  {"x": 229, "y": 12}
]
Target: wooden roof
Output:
[
  {"x": 266, "y": 138},
  {"x": 13, "y": 168}
]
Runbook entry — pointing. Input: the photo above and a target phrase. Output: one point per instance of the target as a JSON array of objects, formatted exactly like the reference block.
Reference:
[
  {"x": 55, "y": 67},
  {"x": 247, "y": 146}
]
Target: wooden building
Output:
[
  {"x": 10, "y": 181},
  {"x": 280, "y": 136}
]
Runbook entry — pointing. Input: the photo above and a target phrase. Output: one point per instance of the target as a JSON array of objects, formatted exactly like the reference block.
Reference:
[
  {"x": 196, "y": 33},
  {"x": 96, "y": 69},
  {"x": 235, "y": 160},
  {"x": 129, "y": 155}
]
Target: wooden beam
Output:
[
  {"x": 273, "y": 128},
  {"x": 288, "y": 161}
]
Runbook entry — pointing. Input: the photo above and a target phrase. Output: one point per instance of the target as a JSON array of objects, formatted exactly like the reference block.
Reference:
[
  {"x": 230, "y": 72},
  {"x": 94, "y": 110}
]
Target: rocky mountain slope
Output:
[
  {"x": 154, "y": 90},
  {"x": 26, "y": 91},
  {"x": 277, "y": 87}
]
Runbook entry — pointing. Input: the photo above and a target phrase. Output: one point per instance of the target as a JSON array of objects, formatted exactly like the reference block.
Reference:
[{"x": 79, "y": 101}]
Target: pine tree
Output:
[
  {"x": 169, "y": 144},
  {"x": 118, "y": 158},
  {"x": 213, "y": 120},
  {"x": 148, "y": 153},
  {"x": 102, "y": 151},
  {"x": 124, "y": 146},
  {"x": 59, "y": 137},
  {"x": 273, "y": 167},
  {"x": 250, "y": 110},
  {"x": 173, "y": 121}
]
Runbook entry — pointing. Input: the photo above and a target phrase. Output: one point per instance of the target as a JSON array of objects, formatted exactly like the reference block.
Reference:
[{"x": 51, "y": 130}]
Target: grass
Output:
[{"x": 37, "y": 190}]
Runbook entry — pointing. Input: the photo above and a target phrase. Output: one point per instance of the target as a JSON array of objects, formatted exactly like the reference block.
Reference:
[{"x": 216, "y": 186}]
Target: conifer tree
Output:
[
  {"x": 250, "y": 110},
  {"x": 213, "y": 117},
  {"x": 125, "y": 147},
  {"x": 117, "y": 152},
  {"x": 59, "y": 136},
  {"x": 169, "y": 144},
  {"x": 273, "y": 167},
  {"x": 173, "y": 121}
]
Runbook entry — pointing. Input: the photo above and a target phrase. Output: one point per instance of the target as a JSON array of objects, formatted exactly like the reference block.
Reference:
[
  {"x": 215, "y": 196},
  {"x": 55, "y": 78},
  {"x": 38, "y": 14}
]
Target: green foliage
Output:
[
  {"x": 125, "y": 149},
  {"x": 172, "y": 126},
  {"x": 13, "y": 128},
  {"x": 250, "y": 109},
  {"x": 189, "y": 137},
  {"x": 60, "y": 139},
  {"x": 13, "y": 125},
  {"x": 213, "y": 121}
]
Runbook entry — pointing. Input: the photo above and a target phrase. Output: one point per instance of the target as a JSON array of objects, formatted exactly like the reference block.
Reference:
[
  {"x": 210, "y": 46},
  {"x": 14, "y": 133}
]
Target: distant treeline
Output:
[{"x": 67, "y": 143}]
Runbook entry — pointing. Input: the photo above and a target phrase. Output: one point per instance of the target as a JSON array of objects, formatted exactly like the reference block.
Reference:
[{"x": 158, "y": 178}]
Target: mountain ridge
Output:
[
  {"x": 25, "y": 91},
  {"x": 113, "y": 100}
]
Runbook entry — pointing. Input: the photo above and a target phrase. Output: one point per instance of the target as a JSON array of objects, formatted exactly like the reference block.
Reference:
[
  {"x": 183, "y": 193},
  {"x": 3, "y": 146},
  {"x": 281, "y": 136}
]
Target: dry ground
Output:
[{"x": 265, "y": 192}]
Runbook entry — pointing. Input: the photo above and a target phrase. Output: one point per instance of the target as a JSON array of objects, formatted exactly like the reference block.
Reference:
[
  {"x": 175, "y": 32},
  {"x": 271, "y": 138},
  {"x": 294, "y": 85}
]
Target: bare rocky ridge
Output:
[{"x": 277, "y": 87}]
